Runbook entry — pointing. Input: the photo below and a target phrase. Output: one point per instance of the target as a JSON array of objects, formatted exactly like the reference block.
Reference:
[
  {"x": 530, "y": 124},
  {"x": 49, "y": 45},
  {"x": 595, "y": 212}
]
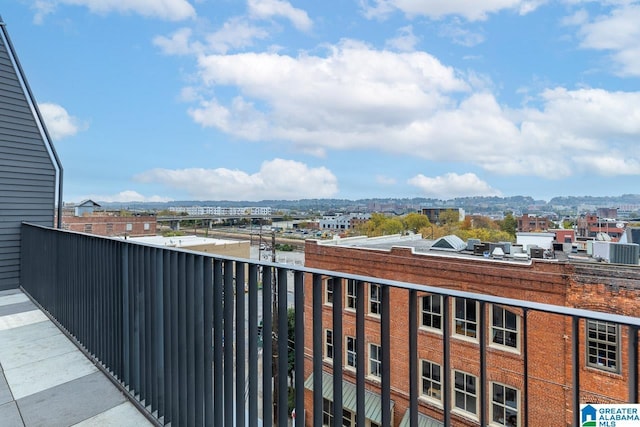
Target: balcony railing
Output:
[{"x": 179, "y": 331}]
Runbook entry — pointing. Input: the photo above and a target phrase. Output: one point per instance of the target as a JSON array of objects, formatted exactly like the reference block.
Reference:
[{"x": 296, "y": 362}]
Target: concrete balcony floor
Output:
[{"x": 46, "y": 381}]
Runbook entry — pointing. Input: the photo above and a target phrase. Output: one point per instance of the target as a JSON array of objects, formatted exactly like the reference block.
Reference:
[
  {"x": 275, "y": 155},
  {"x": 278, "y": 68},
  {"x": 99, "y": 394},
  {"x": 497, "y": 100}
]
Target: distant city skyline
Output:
[{"x": 269, "y": 99}]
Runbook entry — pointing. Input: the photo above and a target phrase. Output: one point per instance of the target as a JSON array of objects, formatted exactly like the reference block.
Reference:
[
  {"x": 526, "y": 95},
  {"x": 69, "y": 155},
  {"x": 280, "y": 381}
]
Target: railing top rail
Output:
[{"x": 528, "y": 305}]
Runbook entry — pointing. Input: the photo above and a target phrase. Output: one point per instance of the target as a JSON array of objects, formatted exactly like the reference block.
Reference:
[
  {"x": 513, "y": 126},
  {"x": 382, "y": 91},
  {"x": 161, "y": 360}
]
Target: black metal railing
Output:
[{"x": 179, "y": 331}]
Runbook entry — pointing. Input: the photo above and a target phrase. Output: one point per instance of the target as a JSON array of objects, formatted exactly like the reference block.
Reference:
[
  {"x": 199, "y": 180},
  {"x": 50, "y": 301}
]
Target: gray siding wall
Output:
[{"x": 27, "y": 174}]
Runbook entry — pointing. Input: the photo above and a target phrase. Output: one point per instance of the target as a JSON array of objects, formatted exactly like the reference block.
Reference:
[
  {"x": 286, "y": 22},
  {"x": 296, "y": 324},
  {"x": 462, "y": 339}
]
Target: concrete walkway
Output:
[{"x": 46, "y": 381}]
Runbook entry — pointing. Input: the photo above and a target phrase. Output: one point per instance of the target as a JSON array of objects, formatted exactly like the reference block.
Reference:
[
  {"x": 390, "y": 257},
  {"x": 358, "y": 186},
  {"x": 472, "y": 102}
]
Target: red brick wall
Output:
[
  {"x": 108, "y": 225},
  {"x": 549, "y": 343}
]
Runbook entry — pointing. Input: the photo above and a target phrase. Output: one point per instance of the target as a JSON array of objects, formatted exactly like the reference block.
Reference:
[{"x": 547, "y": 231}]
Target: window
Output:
[
  {"x": 466, "y": 318},
  {"x": 465, "y": 395},
  {"x": 351, "y": 352},
  {"x": 88, "y": 228},
  {"x": 147, "y": 227},
  {"x": 129, "y": 227},
  {"x": 350, "y": 303},
  {"x": 504, "y": 327},
  {"x": 327, "y": 413},
  {"x": 375, "y": 360},
  {"x": 431, "y": 382},
  {"x": 328, "y": 344},
  {"x": 504, "y": 405},
  {"x": 109, "y": 228},
  {"x": 375, "y": 298},
  {"x": 432, "y": 311},
  {"x": 328, "y": 291},
  {"x": 602, "y": 345}
]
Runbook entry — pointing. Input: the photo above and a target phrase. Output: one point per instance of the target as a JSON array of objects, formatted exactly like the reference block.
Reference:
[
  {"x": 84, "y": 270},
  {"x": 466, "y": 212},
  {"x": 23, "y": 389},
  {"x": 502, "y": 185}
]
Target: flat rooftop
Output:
[
  {"x": 46, "y": 381},
  {"x": 183, "y": 241}
]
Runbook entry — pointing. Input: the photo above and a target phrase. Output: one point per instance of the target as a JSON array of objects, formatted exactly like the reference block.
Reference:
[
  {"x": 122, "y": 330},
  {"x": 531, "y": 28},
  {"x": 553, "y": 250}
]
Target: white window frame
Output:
[
  {"x": 600, "y": 355},
  {"x": 375, "y": 302},
  {"x": 328, "y": 291},
  {"x": 350, "y": 295},
  {"x": 350, "y": 352},
  {"x": 375, "y": 364},
  {"x": 504, "y": 409},
  {"x": 463, "y": 326},
  {"x": 504, "y": 330},
  {"x": 430, "y": 313},
  {"x": 128, "y": 227},
  {"x": 327, "y": 412},
  {"x": 328, "y": 344},
  {"x": 466, "y": 393},
  {"x": 434, "y": 390}
]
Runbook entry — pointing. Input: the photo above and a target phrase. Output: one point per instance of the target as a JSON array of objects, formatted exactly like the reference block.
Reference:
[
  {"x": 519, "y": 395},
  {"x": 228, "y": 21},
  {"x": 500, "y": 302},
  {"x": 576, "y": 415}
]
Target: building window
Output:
[
  {"x": 129, "y": 227},
  {"x": 504, "y": 405},
  {"x": 327, "y": 412},
  {"x": 465, "y": 396},
  {"x": 350, "y": 303},
  {"x": 328, "y": 291},
  {"x": 431, "y": 382},
  {"x": 109, "y": 228},
  {"x": 146, "y": 226},
  {"x": 328, "y": 344},
  {"x": 375, "y": 299},
  {"x": 602, "y": 345},
  {"x": 466, "y": 318},
  {"x": 88, "y": 228},
  {"x": 504, "y": 327},
  {"x": 351, "y": 352},
  {"x": 432, "y": 311},
  {"x": 375, "y": 360}
]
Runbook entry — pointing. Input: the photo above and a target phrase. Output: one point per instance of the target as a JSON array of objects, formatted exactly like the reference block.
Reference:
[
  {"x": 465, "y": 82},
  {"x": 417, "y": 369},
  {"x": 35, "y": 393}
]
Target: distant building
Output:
[
  {"x": 611, "y": 213},
  {"x": 86, "y": 207},
  {"x": 110, "y": 224},
  {"x": 434, "y": 213},
  {"x": 343, "y": 222},
  {"x": 221, "y": 211},
  {"x": 528, "y": 223},
  {"x": 590, "y": 225}
]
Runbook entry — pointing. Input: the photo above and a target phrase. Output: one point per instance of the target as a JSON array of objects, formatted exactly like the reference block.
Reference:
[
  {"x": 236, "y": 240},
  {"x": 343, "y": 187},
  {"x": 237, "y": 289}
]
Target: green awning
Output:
[
  {"x": 423, "y": 421},
  {"x": 372, "y": 401}
]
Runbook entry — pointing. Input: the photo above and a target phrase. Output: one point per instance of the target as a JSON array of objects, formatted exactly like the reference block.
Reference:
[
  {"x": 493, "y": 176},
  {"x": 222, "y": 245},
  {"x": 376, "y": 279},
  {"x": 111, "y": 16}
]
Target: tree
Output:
[
  {"x": 509, "y": 224},
  {"x": 415, "y": 222},
  {"x": 449, "y": 217}
]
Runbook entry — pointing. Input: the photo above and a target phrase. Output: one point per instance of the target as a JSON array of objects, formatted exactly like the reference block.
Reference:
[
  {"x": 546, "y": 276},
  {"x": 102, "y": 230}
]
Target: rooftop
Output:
[{"x": 45, "y": 380}]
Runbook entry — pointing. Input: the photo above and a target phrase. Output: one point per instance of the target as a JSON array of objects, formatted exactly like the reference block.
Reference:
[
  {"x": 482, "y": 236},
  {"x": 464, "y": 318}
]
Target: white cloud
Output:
[
  {"x": 618, "y": 33},
  {"x": 277, "y": 179},
  {"x": 58, "y": 121},
  {"x": 235, "y": 33},
  {"x": 471, "y": 10},
  {"x": 358, "y": 98},
  {"x": 405, "y": 41},
  {"x": 178, "y": 43},
  {"x": 452, "y": 185},
  {"x": 266, "y": 9},
  {"x": 124, "y": 196},
  {"x": 170, "y": 10},
  {"x": 455, "y": 31}
]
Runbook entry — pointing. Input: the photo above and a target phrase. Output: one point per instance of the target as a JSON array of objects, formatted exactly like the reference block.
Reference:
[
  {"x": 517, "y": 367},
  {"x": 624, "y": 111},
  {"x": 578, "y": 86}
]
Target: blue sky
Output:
[{"x": 270, "y": 99}]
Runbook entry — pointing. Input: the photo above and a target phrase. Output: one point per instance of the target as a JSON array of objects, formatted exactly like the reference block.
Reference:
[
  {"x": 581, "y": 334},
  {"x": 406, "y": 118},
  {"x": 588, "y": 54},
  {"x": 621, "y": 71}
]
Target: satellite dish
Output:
[{"x": 620, "y": 225}]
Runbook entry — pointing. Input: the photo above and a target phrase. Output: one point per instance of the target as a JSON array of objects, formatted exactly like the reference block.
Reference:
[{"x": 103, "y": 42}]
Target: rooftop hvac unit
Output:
[
  {"x": 480, "y": 248},
  {"x": 471, "y": 243},
  {"x": 493, "y": 246},
  {"x": 602, "y": 250},
  {"x": 537, "y": 252},
  {"x": 624, "y": 253}
]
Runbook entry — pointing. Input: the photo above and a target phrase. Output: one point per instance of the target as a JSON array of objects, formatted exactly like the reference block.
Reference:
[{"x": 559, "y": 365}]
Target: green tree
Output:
[
  {"x": 509, "y": 224},
  {"x": 449, "y": 217},
  {"x": 415, "y": 222}
]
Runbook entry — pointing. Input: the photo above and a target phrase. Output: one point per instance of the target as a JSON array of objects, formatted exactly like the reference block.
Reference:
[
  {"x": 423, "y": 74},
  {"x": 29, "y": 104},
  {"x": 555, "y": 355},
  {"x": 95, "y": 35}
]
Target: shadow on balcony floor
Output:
[{"x": 46, "y": 381}]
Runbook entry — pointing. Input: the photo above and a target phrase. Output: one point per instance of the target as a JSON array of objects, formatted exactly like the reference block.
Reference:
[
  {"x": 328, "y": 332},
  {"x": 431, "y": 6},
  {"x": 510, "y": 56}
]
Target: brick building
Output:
[
  {"x": 528, "y": 223},
  {"x": 110, "y": 224},
  {"x": 604, "y": 369},
  {"x": 591, "y": 225}
]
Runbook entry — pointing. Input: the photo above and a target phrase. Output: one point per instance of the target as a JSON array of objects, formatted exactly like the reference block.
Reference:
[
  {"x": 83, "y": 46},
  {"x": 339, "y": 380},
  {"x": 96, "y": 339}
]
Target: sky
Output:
[{"x": 210, "y": 100}]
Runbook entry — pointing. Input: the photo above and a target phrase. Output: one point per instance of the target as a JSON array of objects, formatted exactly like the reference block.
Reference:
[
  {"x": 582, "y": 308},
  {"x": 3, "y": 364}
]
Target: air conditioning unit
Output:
[
  {"x": 536, "y": 252},
  {"x": 624, "y": 253}
]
